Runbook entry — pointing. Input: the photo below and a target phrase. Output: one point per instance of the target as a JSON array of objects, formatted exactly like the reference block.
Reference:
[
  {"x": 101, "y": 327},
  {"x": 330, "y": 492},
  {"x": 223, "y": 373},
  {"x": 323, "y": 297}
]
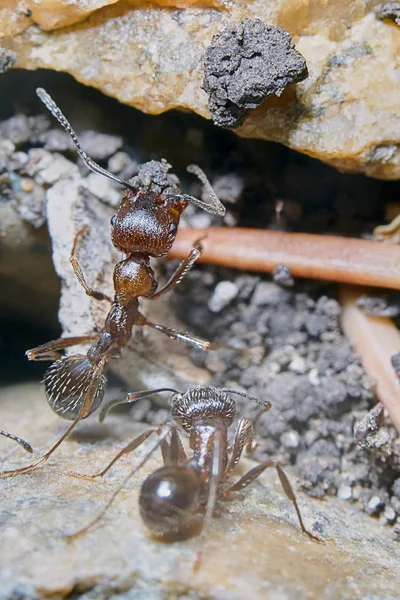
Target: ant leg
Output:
[
  {"x": 256, "y": 472},
  {"x": 174, "y": 453},
  {"x": 173, "y": 334},
  {"x": 182, "y": 270},
  {"x": 126, "y": 450},
  {"x": 215, "y": 478},
  {"x": 51, "y": 350},
  {"x": 79, "y": 273},
  {"x": 244, "y": 436},
  {"x": 17, "y": 439},
  {"x": 97, "y": 372},
  {"x": 144, "y": 459}
]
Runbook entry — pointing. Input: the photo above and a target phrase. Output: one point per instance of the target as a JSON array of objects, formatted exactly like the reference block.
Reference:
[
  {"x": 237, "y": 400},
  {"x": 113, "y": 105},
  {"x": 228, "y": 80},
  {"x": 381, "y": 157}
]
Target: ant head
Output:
[
  {"x": 147, "y": 222},
  {"x": 202, "y": 404},
  {"x": 67, "y": 382},
  {"x": 168, "y": 501}
]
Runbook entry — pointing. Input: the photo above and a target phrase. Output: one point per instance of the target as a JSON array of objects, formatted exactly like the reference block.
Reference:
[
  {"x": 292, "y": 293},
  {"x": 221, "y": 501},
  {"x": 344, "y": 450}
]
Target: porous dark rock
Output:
[
  {"x": 389, "y": 10},
  {"x": 244, "y": 65},
  {"x": 7, "y": 59}
]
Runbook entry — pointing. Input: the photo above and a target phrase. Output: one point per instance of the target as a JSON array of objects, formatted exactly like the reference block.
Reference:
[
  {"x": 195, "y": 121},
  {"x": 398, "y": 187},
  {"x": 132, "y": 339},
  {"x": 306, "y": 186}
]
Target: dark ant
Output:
[
  {"x": 181, "y": 496},
  {"x": 17, "y": 439},
  {"x": 144, "y": 226}
]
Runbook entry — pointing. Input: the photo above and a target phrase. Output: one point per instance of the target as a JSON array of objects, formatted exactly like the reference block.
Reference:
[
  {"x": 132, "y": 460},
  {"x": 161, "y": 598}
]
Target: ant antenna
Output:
[
  {"x": 132, "y": 397},
  {"x": 19, "y": 441},
  {"x": 216, "y": 208},
  {"x": 93, "y": 166},
  {"x": 266, "y": 405}
]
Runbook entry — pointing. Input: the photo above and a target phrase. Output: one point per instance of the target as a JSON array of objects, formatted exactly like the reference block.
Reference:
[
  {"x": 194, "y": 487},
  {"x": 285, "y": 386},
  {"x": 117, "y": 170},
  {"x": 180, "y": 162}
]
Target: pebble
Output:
[
  {"x": 224, "y": 293},
  {"x": 345, "y": 492},
  {"x": 290, "y": 439},
  {"x": 298, "y": 365}
]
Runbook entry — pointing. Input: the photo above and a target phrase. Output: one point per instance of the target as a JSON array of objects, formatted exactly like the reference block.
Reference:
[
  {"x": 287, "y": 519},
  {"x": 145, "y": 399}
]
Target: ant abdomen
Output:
[
  {"x": 67, "y": 382},
  {"x": 169, "y": 500}
]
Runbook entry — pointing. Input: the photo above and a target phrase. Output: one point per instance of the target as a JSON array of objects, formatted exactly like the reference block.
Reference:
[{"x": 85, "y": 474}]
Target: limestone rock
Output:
[
  {"x": 345, "y": 113},
  {"x": 253, "y": 550}
]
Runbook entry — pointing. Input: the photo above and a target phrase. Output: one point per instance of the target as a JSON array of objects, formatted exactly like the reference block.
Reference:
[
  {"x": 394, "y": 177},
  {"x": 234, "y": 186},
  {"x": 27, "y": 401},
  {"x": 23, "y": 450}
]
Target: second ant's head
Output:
[{"x": 202, "y": 404}]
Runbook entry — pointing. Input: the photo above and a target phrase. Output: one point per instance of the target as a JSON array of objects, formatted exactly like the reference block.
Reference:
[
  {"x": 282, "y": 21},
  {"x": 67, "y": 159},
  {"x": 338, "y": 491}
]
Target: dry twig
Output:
[
  {"x": 376, "y": 339},
  {"x": 332, "y": 258}
]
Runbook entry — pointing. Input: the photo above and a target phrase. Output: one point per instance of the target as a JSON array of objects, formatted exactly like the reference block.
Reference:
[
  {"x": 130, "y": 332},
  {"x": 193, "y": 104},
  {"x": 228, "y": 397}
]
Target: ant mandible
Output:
[
  {"x": 181, "y": 496},
  {"x": 144, "y": 226},
  {"x": 17, "y": 439}
]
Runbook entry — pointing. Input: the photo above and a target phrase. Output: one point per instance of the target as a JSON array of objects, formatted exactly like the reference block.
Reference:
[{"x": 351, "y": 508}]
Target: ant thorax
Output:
[{"x": 202, "y": 405}]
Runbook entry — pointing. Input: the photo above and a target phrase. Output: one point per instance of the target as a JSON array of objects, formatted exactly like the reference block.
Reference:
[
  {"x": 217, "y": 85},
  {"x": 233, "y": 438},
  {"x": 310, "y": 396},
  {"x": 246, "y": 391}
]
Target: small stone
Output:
[
  {"x": 345, "y": 492},
  {"x": 298, "y": 365},
  {"x": 390, "y": 514},
  {"x": 281, "y": 274},
  {"x": 290, "y": 439},
  {"x": 268, "y": 293},
  {"x": 396, "y": 488},
  {"x": 101, "y": 187},
  {"x": 374, "y": 503},
  {"x": 224, "y": 293},
  {"x": 100, "y": 146},
  {"x": 313, "y": 377}
]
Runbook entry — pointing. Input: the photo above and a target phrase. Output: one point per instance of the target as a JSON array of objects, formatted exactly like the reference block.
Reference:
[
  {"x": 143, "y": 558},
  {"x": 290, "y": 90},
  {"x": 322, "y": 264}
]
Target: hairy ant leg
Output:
[
  {"x": 216, "y": 471},
  {"x": 244, "y": 436},
  {"x": 135, "y": 443},
  {"x": 251, "y": 475},
  {"x": 94, "y": 388},
  {"x": 160, "y": 438},
  {"x": 51, "y": 350},
  {"x": 79, "y": 273},
  {"x": 173, "y": 334},
  {"x": 181, "y": 271},
  {"x": 26, "y": 446}
]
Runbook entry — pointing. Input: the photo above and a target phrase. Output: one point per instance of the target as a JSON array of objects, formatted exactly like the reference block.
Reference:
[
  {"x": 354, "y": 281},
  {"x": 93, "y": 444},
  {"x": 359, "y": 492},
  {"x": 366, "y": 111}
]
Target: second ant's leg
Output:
[
  {"x": 161, "y": 437},
  {"x": 256, "y": 472},
  {"x": 126, "y": 450},
  {"x": 79, "y": 273},
  {"x": 182, "y": 270},
  {"x": 244, "y": 436},
  {"x": 51, "y": 350}
]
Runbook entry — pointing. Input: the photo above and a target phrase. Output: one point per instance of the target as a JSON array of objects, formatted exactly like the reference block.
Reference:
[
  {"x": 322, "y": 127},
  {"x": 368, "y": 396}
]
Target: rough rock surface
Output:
[
  {"x": 246, "y": 64},
  {"x": 345, "y": 113},
  {"x": 254, "y": 548}
]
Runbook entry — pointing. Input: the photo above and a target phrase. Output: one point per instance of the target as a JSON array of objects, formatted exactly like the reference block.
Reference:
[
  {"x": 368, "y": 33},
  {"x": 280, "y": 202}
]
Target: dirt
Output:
[
  {"x": 244, "y": 65},
  {"x": 298, "y": 357}
]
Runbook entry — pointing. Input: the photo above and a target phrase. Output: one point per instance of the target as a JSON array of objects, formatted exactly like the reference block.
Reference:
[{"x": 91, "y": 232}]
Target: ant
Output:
[
  {"x": 17, "y": 439},
  {"x": 144, "y": 226},
  {"x": 181, "y": 496}
]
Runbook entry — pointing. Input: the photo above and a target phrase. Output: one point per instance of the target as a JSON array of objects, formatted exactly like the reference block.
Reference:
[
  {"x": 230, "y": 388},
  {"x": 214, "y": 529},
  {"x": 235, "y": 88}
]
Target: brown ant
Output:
[
  {"x": 17, "y": 439},
  {"x": 181, "y": 496},
  {"x": 144, "y": 226}
]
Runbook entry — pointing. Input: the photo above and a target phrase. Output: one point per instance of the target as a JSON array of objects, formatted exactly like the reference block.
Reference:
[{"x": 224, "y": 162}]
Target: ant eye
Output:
[
  {"x": 113, "y": 220},
  {"x": 173, "y": 228}
]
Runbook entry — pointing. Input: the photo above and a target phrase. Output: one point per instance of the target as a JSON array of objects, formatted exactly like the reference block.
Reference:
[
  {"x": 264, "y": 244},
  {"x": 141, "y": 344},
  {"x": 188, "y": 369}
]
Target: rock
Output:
[
  {"x": 246, "y": 64},
  {"x": 7, "y": 59},
  {"x": 254, "y": 548},
  {"x": 346, "y": 113},
  {"x": 389, "y": 10},
  {"x": 224, "y": 293}
]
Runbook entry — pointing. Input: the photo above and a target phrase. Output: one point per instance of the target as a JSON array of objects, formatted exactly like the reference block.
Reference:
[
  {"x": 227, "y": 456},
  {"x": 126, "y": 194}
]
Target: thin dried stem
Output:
[
  {"x": 376, "y": 339},
  {"x": 331, "y": 258}
]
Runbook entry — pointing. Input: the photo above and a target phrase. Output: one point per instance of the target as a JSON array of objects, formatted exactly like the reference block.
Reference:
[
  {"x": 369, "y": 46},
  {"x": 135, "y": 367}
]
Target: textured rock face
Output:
[
  {"x": 346, "y": 112},
  {"x": 253, "y": 550}
]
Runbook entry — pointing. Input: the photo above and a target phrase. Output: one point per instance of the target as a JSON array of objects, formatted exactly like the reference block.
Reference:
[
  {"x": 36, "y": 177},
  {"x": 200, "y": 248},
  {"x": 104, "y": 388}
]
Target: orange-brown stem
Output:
[
  {"x": 332, "y": 258},
  {"x": 376, "y": 339}
]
